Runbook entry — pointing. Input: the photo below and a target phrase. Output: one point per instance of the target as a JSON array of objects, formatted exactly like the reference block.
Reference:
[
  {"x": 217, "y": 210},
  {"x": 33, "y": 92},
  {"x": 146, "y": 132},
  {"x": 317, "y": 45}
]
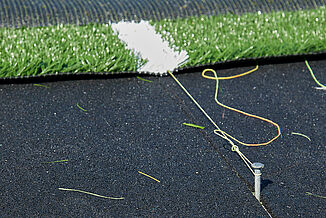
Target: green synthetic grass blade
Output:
[
  {"x": 318, "y": 196},
  {"x": 40, "y": 85},
  {"x": 80, "y": 107},
  {"x": 193, "y": 125},
  {"x": 146, "y": 80},
  {"x": 57, "y": 161}
]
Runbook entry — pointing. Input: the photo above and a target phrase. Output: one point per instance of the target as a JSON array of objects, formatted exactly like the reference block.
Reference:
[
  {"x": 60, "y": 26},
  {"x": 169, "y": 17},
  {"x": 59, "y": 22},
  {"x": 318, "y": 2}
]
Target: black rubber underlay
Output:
[
  {"x": 131, "y": 125},
  {"x": 18, "y": 13}
]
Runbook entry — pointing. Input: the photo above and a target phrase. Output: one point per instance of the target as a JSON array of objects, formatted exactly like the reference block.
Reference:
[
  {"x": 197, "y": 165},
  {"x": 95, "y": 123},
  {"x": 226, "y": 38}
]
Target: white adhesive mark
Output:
[
  {"x": 320, "y": 88},
  {"x": 142, "y": 39}
]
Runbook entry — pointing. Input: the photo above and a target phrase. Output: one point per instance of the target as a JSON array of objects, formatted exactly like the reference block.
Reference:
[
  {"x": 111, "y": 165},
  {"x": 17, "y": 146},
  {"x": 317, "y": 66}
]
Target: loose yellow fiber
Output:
[
  {"x": 300, "y": 134},
  {"x": 149, "y": 176},
  {"x": 89, "y": 193},
  {"x": 313, "y": 75}
]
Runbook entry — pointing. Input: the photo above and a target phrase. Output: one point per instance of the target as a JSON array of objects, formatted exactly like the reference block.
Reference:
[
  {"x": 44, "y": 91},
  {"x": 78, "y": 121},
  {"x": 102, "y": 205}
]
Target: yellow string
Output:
[
  {"x": 218, "y": 130},
  {"x": 223, "y": 135},
  {"x": 227, "y": 77}
]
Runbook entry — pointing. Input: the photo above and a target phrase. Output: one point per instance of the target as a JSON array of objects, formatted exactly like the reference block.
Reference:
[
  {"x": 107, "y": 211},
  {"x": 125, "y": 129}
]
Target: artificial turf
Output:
[
  {"x": 221, "y": 38},
  {"x": 63, "y": 48},
  {"x": 207, "y": 39}
]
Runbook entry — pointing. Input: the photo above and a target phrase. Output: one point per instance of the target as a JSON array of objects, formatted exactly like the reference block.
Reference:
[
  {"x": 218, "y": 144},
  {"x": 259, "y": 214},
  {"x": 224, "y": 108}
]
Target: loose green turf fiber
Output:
[
  {"x": 318, "y": 196},
  {"x": 40, "y": 85},
  {"x": 193, "y": 125},
  {"x": 145, "y": 80},
  {"x": 57, "y": 161},
  {"x": 80, "y": 107},
  {"x": 94, "y": 47}
]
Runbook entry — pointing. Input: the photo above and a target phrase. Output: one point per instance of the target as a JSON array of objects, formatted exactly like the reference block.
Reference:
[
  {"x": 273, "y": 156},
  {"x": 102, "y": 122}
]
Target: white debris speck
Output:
[{"x": 320, "y": 88}]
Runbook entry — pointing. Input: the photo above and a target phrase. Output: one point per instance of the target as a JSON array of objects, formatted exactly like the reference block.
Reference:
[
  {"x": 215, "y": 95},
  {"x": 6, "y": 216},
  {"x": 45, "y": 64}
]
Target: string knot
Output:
[{"x": 235, "y": 148}]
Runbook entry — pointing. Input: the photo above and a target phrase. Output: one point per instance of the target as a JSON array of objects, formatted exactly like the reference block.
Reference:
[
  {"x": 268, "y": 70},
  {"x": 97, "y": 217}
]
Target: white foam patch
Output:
[{"x": 143, "y": 40}]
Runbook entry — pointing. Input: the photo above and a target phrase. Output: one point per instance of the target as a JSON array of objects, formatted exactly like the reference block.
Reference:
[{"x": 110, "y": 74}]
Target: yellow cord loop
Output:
[
  {"x": 218, "y": 130},
  {"x": 227, "y": 77},
  {"x": 243, "y": 157}
]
